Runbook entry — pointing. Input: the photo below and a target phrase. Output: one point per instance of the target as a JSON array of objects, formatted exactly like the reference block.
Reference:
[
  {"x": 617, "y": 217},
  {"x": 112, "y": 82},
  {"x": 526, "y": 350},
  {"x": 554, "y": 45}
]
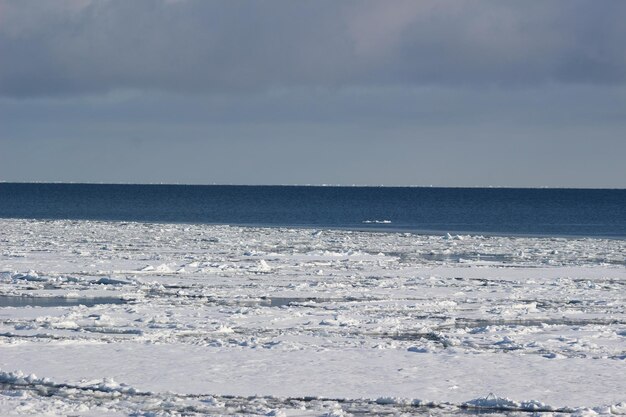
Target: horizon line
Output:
[{"x": 315, "y": 185}]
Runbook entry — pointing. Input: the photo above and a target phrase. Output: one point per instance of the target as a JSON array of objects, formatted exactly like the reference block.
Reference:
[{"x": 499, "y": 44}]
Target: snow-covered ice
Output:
[{"x": 117, "y": 318}]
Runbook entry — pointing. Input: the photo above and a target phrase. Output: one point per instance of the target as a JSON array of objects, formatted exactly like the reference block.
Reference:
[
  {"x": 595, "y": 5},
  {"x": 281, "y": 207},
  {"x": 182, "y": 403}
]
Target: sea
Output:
[{"x": 542, "y": 212}]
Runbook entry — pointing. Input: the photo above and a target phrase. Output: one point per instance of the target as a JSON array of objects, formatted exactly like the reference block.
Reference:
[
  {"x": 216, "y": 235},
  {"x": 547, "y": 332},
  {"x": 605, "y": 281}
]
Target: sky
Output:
[{"x": 387, "y": 92}]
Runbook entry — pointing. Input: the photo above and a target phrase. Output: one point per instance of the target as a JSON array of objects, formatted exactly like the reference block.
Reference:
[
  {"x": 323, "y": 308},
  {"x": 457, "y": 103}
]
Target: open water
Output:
[{"x": 500, "y": 211}]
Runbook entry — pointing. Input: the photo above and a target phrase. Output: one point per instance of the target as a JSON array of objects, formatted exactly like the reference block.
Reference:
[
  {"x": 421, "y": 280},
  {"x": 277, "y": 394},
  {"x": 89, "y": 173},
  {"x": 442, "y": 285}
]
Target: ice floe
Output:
[{"x": 139, "y": 318}]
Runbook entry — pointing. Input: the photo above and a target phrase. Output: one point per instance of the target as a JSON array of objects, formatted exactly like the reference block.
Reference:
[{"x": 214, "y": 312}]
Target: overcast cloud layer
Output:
[
  {"x": 82, "y": 46},
  {"x": 534, "y": 88}
]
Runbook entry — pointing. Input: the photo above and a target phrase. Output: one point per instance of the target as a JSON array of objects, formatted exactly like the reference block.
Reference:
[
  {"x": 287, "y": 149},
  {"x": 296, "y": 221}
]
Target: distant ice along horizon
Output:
[{"x": 338, "y": 185}]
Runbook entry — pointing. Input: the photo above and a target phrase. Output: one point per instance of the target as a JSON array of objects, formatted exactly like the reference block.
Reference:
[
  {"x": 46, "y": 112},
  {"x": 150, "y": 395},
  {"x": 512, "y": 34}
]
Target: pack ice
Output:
[{"x": 115, "y": 318}]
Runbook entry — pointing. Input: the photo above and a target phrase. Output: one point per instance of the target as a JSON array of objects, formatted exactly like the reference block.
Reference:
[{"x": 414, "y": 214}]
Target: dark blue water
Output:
[{"x": 545, "y": 212}]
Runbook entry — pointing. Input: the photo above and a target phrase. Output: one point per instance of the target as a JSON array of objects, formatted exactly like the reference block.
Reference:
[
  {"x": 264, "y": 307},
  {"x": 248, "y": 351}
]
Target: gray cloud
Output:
[
  {"x": 557, "y": 135},
  {"x": 77, "y": 47},
  {"x": 444, "y": 92}
]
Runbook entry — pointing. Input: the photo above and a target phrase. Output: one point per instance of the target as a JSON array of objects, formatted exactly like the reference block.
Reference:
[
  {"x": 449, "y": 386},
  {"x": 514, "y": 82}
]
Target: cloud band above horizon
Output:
[{"x": 78, "y": 47}]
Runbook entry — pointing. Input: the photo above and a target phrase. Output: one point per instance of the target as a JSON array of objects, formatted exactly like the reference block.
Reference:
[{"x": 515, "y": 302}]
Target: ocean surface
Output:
[{"x": 489, "y": 211}]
